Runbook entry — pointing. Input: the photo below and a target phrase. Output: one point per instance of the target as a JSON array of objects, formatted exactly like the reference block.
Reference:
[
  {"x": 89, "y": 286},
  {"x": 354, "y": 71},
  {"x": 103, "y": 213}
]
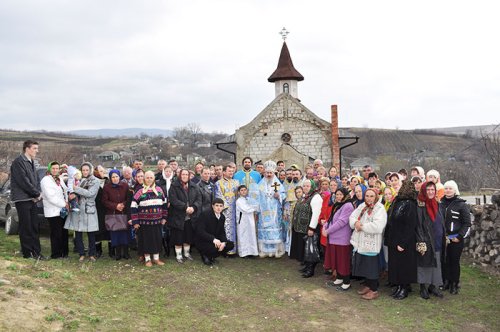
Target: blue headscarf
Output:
[
  {"x": 114, "y": 171},
  {"x": 357, "y": 202}
]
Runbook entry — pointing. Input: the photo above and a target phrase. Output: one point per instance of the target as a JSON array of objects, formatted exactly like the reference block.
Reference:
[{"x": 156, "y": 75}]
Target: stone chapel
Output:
[{"x": 286, "y": 129}]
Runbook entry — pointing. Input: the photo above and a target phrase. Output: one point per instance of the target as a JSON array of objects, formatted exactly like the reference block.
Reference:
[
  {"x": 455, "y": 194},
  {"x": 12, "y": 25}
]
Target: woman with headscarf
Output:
[
  {"x": 401, "y": 240},
  {"x": 457, "y": 221},
  {"x": 359, "y": 195},
  {"x": 148, "y": 212},
  {"x": 338, "y": 232},
  {"x": 396, "y": 181},
  {"x": 305, "y": 220},
  {"x": 138, "y": 176},
  {"x": 430, "y": 241},
  {"x": 368, "y": 221},
  {"x": 433, "y": 176},
  {"x": 86, "y": 220},
  {"x": 54, "y": 194},
  {"x": 185, "y": 208},
  {"x": 114, "y": 199},
  {"x": 326, "y": 207},
  {"x": 103, "y": 233}
]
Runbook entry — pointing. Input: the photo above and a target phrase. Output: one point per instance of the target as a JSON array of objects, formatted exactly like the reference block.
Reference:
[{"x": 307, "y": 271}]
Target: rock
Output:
[
  {"x": 493, "y": 214},
  {"x": 495, "y": 198},
  {"x": 477, "y": 210}
]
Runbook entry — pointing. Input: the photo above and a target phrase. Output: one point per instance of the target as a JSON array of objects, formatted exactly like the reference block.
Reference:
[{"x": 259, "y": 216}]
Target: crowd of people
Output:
[{"x": 410, "y": 227}]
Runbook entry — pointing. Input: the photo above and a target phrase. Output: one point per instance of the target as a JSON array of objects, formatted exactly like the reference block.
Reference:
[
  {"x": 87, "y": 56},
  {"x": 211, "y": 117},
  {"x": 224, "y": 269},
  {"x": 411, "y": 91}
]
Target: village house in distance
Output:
[{"x": 286, "y": 129}]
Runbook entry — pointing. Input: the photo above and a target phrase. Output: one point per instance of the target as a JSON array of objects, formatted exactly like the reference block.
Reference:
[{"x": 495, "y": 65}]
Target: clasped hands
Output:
[{"x": 219, "y": 245}]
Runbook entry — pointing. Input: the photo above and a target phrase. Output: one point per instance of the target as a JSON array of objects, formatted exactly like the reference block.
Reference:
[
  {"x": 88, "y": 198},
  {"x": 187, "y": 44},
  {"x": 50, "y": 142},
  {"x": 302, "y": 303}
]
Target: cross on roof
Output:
[{"x": 284, "y": 32}]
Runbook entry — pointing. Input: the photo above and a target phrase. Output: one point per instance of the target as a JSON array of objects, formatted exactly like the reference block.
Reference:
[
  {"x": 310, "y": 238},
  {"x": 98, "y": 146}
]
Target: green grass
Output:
[{"x": 236, "y": 294}]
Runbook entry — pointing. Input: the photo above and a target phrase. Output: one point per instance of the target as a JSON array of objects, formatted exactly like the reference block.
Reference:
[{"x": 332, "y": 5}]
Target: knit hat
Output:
[{"x": 453, "y": 185}]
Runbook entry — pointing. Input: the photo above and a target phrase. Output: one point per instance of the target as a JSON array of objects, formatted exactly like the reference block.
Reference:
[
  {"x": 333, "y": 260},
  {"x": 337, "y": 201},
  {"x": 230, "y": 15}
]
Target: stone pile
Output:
[{"x": 484, "y": 240}]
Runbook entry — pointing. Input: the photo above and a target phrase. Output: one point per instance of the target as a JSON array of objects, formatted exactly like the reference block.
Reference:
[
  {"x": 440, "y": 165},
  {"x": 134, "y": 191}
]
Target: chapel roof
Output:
[{"x": 285, "y": 69}]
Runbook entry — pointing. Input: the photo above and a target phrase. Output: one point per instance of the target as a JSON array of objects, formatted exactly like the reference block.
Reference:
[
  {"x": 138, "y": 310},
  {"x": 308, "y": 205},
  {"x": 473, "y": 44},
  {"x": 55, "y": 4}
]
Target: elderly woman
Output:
[
  {"x": 103, "y": 233},
  {"x": 401, "y": 240},
  {"x": 305, "y": 220},
  {"x": 185, "y": 207},
  {"x": 54, "y": 194},
  {"x": 338, "y": 232},
  {"x": 114, "y": 199},
  {"x": 85, "y": 221},
  {"x": 326, "y": 207},
  {"x": 148, "y": 212},
  {"x": 368, "y": 222},
  {"x": 359, "y": 195},
  {"x": 430, "y": 241},
  {"x": 457, "y": 221}
]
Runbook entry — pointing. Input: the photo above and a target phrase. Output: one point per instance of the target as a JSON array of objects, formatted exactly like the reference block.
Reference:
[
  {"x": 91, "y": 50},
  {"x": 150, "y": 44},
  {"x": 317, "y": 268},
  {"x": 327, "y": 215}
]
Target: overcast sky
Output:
[{"x": 161, "y": 64}]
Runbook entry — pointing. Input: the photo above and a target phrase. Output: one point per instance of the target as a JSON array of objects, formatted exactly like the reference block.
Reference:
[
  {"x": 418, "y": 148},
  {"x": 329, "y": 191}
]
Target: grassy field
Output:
[{"x": 236, "y": 295}]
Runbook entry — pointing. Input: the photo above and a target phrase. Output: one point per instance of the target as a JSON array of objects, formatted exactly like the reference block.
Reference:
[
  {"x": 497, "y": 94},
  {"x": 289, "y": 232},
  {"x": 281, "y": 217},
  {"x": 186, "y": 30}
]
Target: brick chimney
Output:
[{"x": 335, "y": 138}]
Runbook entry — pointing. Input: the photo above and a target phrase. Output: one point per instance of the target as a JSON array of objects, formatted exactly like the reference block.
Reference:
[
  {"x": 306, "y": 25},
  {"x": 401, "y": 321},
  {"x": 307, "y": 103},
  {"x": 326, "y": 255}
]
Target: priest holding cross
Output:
[{"x": 271, "y": 197}]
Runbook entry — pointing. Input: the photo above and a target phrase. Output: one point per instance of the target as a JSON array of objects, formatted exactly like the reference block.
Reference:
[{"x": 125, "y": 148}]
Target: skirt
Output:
[
  {"x": 338, "y": 258},
  {"x": 150, "y": 240},
  {"x": 365, "y": 266},
  {"x": 431, "y": 275},
  {"x": 179, "y": 237},
  {"x": 297, "y": 246},
  {"x": 119, "y": 238}
]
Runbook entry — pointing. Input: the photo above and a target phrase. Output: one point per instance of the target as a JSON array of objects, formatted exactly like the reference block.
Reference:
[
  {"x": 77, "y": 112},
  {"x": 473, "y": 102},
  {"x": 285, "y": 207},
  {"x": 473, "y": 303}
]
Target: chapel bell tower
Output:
[{"x": 285, "y": 77}]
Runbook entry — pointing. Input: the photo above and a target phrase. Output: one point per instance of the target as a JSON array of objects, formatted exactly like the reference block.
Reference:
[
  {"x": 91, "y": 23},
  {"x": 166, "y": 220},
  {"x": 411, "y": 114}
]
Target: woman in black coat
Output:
[
  {"x": 402, "y": 217},
  {"x": 457, "y": 221},
  {"x": 185, "y": 207},
  {"x": 430, "y": 241}
]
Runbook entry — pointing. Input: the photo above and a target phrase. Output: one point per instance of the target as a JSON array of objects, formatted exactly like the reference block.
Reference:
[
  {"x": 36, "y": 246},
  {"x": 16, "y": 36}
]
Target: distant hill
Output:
[
  {"x": 475, "y": 131},
  {"x": 125, "y": 132}
]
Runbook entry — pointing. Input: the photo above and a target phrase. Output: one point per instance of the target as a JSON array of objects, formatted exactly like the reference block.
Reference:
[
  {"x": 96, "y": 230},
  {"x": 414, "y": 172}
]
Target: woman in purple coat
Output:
[{"x": 338, "y": 231}]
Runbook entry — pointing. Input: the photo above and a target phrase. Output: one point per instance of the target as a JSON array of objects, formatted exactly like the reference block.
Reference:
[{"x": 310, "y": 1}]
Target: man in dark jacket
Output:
[
  {"x": 25, "y": 193},
  {"x": 207, "y": 190},
  {"x": 210, "y": 237}
]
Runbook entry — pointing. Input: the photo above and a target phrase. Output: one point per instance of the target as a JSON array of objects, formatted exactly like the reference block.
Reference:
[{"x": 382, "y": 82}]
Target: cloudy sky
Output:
[{"x": 161, "y": 64}]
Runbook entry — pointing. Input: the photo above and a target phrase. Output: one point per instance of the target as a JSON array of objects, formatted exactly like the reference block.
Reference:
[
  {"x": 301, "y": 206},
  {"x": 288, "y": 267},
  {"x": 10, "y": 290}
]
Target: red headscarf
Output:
[{"x": 431, "y": 205}]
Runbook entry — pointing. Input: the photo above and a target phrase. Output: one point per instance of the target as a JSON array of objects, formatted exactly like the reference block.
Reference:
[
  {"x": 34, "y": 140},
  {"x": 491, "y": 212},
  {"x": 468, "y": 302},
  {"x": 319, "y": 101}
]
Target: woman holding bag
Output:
[{"x": 114, "y": 199}]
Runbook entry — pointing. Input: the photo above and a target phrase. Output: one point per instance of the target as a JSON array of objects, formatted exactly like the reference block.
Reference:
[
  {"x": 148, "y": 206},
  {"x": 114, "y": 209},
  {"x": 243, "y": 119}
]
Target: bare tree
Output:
[{"x": 491, "y": 143}]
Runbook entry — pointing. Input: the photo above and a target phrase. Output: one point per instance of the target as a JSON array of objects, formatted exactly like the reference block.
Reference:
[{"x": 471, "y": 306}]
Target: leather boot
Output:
[
  {"x": 446, "y": 285},
  {"x": 396, "y": 291},
  {"x": 435, "y": 291},
  {"x": 206, "y": 260},
  {"x": 423, "y": 292},
  {"x": 453, "y": 288},
  {"x": 111, "y": 250},
  {"x": 309, "y": 272},
  {"x": 98, "y": 249},
  {"x": 125, "y": 252},
  {"x": 118, "y": 253},
  {"x": 403, "y": 293}
]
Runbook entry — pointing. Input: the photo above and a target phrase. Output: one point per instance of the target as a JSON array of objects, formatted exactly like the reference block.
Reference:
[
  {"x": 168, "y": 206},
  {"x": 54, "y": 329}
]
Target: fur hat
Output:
[{"x": 453, "y": 185}]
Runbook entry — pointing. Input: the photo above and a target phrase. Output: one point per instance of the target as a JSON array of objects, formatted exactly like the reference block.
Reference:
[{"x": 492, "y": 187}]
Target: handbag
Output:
[
  {"x": 311, "y": 251},
  {"x": 116, "y": 222}
]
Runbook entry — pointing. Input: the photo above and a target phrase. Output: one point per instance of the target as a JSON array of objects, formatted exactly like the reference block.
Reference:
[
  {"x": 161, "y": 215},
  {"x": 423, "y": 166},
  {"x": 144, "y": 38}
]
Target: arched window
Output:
[{"x": 286, "y": 88}]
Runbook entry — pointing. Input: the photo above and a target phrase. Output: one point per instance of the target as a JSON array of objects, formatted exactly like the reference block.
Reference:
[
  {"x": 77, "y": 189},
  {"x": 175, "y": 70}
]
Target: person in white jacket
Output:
[
  {"x": 54, "y": 195},
  {"x": 368, "y": 222}
]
